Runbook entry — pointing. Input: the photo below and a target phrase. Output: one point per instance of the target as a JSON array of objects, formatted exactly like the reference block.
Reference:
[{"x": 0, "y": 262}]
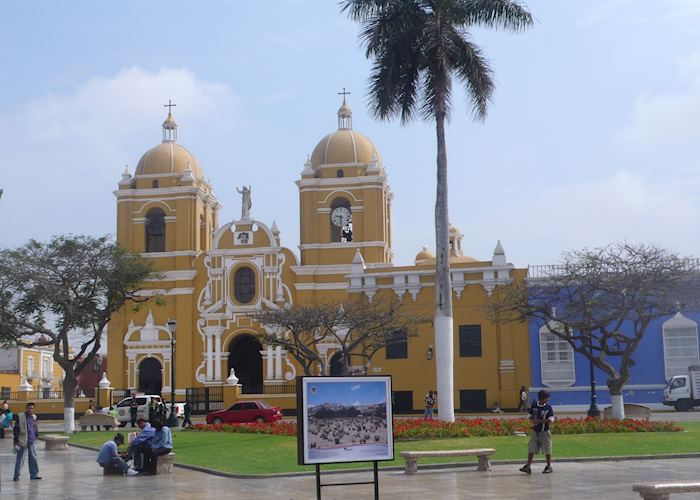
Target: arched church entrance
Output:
[
  {"x": 336, "y": 367},
  {"x": 150, "y": 376},
  {"x": 245, "y": 358}
]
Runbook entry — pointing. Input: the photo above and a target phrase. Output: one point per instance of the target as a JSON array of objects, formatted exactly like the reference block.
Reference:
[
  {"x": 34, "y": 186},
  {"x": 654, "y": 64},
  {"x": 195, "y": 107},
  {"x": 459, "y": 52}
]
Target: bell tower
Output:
[
  {"x": 166, "y": 210},
  {"x": 345, "y": 200}
]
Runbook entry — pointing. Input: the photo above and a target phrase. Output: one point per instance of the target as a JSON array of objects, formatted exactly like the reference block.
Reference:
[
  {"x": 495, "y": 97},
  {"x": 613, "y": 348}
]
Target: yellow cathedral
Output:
[{"x": 214, "y": 275}]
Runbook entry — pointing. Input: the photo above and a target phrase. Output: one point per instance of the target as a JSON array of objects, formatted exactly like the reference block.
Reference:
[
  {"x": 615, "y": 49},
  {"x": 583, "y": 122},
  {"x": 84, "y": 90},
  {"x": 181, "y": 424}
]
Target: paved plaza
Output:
[{"x": 73, "y": 474}]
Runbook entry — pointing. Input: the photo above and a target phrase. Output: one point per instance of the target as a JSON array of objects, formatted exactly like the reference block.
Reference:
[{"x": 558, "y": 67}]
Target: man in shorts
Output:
[{"x": 542, "y": 416}]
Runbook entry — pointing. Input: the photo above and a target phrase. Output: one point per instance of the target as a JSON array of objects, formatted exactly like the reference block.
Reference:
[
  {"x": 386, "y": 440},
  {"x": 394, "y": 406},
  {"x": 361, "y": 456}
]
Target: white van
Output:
[{"x": 144, "y": 400}]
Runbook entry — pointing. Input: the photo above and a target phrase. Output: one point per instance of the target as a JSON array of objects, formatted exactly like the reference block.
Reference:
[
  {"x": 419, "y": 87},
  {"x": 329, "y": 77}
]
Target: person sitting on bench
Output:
[
  {"x": 162, "y": 444},
  {"x": 141, "y": 443},
  {"x": 111, "y": 460}
]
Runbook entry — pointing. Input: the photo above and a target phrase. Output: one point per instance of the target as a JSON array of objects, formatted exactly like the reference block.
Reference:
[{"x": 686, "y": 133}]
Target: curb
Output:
[{"x": 394, "y": 468}]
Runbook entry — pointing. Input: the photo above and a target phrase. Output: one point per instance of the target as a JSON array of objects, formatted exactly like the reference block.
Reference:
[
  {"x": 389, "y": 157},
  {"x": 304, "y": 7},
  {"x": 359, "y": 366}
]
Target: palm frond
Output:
[
  {"x": 506, "y": 14},
  {"x": 473, "y": 70}
]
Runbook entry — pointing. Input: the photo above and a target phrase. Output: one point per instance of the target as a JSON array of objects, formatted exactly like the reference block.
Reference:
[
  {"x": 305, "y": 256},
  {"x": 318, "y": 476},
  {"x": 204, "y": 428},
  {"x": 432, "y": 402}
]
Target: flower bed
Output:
[
  {"x": 416, "y": 428},
  {"x": 473, "y": 427}
]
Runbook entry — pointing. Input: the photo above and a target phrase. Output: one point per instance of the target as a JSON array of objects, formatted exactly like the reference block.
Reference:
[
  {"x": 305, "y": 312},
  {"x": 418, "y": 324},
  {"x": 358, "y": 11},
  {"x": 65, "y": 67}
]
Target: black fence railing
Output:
[
  {"x": 205, "y": 399},
  {"x": 270, "y": 389}
]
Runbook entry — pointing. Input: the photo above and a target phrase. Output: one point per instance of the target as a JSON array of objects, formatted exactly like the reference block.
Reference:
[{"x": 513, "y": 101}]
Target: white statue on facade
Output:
[{"x": 246, "y": 202}]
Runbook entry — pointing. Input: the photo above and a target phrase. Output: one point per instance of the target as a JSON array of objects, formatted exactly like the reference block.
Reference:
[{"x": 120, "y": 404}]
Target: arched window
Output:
[
  {"x": 557, "y": 358},
  {"x": 341, "y": 221},
  {"x": 244, "y": 285},
  {"x": 154, "y": 184},
  {"x": 155, "y": 230},
  {"x": 680, "y": 345}
]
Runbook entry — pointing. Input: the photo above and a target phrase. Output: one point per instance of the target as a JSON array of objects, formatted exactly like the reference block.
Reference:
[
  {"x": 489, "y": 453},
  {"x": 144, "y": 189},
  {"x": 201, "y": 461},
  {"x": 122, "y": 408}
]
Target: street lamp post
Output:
[
  {"x": 593, "y": 411},
  {"x": 172, "y": 419}
]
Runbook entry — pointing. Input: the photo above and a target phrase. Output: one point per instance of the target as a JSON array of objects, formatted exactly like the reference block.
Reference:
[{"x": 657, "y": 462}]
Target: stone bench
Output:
[
  {"x": 662, "y": 491},
  {"x": 55, "y": 442},
  {"x": 632, "y": 410},
  {"x": 98, "y": 420},
  {"x": 483, "y": 454},
  {"x": 165, "y": 463}
]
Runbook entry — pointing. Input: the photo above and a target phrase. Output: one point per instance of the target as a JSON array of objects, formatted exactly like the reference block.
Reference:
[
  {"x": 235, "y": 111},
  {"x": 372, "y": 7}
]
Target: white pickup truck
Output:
[
  {"x": 683, "y": 391},
  {"x": 144, "y": 400}
]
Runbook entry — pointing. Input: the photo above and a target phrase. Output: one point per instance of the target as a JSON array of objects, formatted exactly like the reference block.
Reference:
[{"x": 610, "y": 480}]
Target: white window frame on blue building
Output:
[
  {"x": 680, "y": 341},
  {"x": 557, "y": 364}
]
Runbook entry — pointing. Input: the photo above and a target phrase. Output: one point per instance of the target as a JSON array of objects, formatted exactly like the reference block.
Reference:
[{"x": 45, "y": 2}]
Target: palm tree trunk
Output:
[{"x": 444, "y": 343}]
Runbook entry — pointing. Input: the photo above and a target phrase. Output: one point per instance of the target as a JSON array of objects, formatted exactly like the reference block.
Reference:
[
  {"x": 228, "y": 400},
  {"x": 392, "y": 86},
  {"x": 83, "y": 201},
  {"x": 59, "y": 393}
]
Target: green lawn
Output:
[{"x": 264, "y": 454}]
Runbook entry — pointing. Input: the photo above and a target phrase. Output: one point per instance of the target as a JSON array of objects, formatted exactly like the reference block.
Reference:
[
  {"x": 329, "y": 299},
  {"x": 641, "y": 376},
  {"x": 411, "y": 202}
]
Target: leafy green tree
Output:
[
  {"x": 63, "y": 294},
  {"x": 417, "y": 48}
]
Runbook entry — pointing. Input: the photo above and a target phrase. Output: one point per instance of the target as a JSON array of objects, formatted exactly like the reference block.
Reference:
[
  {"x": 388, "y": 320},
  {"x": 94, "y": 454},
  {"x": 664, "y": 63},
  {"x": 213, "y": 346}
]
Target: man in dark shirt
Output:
[
  {"x": 542, "y": 416},
  {"x": 133, "y": 411},
  {"x": 26, "y": 433}
]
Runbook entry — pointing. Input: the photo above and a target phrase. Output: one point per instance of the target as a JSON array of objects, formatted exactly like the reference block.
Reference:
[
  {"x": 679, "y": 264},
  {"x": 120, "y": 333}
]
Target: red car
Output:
[{"x": 246, "y": 411}]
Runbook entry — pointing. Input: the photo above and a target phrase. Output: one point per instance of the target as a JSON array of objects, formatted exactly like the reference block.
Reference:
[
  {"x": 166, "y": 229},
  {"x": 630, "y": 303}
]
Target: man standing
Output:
[
  {"x": 109, "y": 457},
  {"x": 26, "y": 433},
  {"x": 188, "y": 412},
  {"x": 133, "y": 411},
  {"x": 429, "y": 405},
  {"x": 522, "y": 399}
]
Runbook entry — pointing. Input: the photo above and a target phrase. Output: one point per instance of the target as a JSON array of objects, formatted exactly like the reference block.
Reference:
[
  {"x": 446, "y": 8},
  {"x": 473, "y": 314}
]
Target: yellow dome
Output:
[
  {"x": 168, "y": 158},
  {"x": 424, "y": 255},
  {"x": 344, "y": 146}
]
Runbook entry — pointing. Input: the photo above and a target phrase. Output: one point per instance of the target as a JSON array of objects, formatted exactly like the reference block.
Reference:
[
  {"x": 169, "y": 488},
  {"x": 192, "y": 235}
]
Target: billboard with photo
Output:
[{"x": 344, "y": 419}]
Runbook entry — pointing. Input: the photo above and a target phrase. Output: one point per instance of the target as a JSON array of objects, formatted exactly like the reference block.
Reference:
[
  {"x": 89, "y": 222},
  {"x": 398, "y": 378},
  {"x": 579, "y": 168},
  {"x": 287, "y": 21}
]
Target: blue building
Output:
[{"x": 667, "y": 348}]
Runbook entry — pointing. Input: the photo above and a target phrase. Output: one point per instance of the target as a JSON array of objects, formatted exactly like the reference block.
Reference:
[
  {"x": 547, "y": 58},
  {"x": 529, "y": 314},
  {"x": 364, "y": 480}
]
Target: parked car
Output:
[
  {"x": 144, "y": 400},
  {"x": 246, "y": 411}
]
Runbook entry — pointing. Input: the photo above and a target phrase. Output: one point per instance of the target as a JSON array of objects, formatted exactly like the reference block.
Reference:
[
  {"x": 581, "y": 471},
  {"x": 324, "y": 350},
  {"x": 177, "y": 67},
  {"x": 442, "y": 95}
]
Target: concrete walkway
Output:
[{"x": 73, "y": 474}]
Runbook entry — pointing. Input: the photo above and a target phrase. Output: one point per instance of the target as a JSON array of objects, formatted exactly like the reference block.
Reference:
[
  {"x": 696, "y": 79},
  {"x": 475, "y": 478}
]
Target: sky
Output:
[
  {"x": 346, "y": 393},
  {"x": 592, "y": 136}
]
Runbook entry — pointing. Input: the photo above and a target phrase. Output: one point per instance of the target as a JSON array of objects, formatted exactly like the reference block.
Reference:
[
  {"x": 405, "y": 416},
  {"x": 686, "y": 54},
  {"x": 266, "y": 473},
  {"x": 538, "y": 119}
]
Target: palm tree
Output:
[{"x": 417, "y": 47}]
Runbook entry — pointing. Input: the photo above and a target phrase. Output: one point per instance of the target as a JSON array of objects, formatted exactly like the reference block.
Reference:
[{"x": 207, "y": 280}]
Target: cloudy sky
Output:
[{"x": 592, "y": 136}]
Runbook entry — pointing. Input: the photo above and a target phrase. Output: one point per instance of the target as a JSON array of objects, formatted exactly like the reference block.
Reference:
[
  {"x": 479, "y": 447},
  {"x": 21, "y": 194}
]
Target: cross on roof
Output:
[
  {"x": 170, "y": 105},
  {"x": 344, "y": 93}
]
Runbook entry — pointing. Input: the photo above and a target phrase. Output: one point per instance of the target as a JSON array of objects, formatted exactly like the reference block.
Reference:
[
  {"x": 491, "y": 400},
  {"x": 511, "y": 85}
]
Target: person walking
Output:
[
  {"x": 26, "y": 433},
  {"x": 133, "y": 411},
  {"x": 429, "y": 405},
  {"x": 522, "y": 399},
  {"x": 187, "y": 422},
  {"x": 152, "y": 409},
  {"x": 542, "y": 416}
]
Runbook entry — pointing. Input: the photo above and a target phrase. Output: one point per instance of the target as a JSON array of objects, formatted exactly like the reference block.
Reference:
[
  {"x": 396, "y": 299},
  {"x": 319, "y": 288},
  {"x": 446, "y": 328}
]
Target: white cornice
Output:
[
  {"x": 326, "y": 246},
  {"x": 170, "y": 291},
  {"x": 186, "y": 275},
  {"x": 322, "y": 269},
  {"x": 322, "y": 286},
  {"x": 341, "y": 181},
  {"x": 179, "y": 253}
]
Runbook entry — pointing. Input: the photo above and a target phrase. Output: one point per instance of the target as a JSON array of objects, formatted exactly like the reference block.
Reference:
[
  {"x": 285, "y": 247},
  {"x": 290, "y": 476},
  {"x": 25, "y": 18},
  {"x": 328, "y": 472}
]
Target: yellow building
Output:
[
  {"x": 214, "y": 275},
  {"x": 35, "y": 365}
]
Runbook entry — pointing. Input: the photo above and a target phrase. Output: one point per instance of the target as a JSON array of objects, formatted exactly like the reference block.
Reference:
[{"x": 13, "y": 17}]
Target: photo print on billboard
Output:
[{"x": 344, "y": 419}]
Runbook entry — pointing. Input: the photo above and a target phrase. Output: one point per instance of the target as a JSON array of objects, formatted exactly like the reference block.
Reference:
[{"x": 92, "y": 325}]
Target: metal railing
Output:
[{"x": 270, "y": 389}]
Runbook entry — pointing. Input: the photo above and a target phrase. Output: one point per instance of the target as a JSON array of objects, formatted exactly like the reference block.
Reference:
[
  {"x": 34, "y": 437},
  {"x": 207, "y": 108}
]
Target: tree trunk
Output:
[
  {"x": 616, "y": 398},
  {"x": 444, "y": 343},
  {"x": 69, "y": 384}
]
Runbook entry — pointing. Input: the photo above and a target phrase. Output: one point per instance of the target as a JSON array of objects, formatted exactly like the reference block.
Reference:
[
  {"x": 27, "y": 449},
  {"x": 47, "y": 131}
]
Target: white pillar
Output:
[
  {"x": 278, "y": 362},
  {"x": 269, "y": 374},
  {"x": 217, "y": 357},
  {"x": 210, "y": 360}
]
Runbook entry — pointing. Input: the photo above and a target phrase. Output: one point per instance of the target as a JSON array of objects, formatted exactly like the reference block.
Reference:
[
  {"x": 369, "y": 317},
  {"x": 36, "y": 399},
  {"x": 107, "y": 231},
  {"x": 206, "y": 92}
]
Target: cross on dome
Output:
[
  {"x": 344, "y": 113},
  {"x": 169, "y": 125}
]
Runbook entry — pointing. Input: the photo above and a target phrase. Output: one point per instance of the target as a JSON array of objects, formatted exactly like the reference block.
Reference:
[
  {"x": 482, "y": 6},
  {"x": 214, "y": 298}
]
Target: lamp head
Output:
[{"x": 171, "y": 326}]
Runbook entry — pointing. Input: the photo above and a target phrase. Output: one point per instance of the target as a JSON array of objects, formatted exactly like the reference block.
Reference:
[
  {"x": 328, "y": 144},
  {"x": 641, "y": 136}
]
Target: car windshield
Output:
[
  {"x": 676, "y": 383},
  {"x": 124, "y": 402},
  {"x": 263, "y": 404}
]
